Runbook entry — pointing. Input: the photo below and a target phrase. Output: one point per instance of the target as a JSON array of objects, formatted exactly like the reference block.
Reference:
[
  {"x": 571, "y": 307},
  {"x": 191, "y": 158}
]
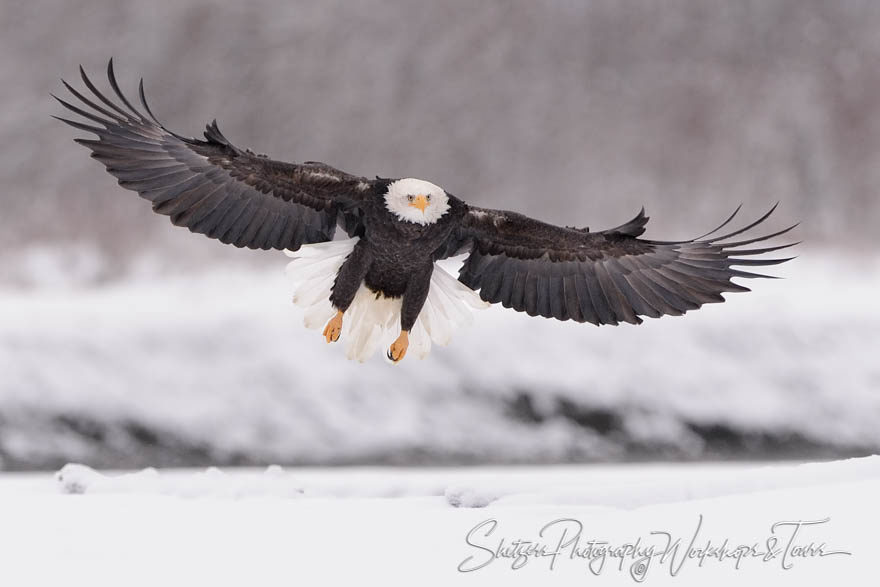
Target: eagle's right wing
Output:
[{"x": 211, "y": 186}]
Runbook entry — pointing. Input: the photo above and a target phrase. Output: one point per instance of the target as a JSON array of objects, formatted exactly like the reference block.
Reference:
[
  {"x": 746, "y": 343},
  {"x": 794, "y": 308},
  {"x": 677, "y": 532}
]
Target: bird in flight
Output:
[{"x": 382, "y": 286}]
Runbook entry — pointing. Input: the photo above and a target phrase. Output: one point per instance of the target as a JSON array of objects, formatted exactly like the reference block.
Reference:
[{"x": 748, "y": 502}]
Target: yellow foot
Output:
[
  {"x": 399, "y": 346},
  {"x": 333, "y": 328}
]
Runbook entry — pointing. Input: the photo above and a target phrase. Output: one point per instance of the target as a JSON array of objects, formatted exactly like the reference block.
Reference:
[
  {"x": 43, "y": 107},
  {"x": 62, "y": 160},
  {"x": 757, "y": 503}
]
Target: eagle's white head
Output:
[{"x": 416, "y": 200}]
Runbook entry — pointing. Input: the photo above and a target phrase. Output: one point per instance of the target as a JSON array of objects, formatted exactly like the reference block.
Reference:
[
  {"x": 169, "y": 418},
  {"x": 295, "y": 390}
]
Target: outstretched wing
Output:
[
  {"x": 603, "y": 277},
  {"x": 211, "y": 186}
]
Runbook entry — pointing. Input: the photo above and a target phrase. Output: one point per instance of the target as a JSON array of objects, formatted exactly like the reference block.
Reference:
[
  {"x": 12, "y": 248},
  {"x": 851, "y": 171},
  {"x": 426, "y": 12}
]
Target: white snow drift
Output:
[
  {"x": 219, "y": 364},
  {"x": 611, "y": 525}
]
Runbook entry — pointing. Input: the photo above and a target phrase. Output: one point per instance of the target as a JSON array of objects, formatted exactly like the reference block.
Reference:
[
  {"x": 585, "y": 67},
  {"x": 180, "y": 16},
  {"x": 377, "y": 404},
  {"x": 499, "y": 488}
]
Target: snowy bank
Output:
[
  {"x": 678, "y": 524},
  {"x": 217, "y": 368},
  {"x": 621, "y": 486}
]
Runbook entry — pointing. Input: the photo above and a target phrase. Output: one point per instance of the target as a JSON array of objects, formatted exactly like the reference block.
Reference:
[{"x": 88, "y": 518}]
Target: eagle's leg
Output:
[
  {"x": 398, "y": 348},
  {"x": 348, "y": 281},
  {"x": 413, "y": 300},
  {"x": 334, "y": 327}
]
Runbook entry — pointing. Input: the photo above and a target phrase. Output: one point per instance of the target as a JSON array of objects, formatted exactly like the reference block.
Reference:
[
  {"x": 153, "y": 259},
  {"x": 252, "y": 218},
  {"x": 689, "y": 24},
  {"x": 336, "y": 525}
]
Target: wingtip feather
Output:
[
  {"x": 745, "y": 228},
  {"x": 146, "y": 106},
  {"x": 111, "y": 76}
]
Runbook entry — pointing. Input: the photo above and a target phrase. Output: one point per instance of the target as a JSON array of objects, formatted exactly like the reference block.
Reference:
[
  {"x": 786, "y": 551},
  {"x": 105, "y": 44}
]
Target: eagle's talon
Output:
[
  {"x": 398, "y": 348},
  {"x": 333, "y": 328}
]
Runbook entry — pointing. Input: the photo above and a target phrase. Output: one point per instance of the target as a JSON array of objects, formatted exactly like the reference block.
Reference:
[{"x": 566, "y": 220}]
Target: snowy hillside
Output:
[
  {"x": 680, "y": 524},
  {"x": 216, "y": 368}
]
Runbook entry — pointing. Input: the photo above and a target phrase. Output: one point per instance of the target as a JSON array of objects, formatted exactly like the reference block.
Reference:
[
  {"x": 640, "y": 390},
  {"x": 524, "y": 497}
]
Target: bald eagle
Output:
[{"x": 382, "y": 284}]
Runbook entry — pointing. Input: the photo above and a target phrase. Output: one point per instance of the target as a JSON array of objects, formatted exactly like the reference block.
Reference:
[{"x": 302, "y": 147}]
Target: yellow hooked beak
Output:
[{"x": 420, "y": 202}]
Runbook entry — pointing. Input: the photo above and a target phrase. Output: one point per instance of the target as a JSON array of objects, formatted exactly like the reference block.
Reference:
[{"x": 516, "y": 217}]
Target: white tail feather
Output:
[{"x": 373, "y": 322}]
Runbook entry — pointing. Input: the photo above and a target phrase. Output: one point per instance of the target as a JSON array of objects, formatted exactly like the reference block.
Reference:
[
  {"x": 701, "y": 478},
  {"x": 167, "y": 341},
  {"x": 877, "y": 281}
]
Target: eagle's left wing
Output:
[
  {"x": 602, "y": 277},
  {"x": 211, "y": 186}
]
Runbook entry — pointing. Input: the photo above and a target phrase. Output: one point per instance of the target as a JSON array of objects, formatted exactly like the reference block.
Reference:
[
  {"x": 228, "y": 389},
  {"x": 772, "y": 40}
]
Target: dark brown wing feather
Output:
[
  {"x": 210, "y": 186},
  {"x": 603, "y": 277}
]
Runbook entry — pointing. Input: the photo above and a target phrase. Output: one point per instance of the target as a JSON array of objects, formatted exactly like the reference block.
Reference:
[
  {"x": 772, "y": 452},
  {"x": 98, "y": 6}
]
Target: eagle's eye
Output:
[
  {"x": 428, "y": 198},
  {"x": 410, "y": 198}
]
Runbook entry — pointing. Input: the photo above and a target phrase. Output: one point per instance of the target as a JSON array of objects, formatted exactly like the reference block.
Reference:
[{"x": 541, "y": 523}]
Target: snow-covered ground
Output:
[
  {"x": 721, "y": 524},
  {"x": 216, "y": 368}
]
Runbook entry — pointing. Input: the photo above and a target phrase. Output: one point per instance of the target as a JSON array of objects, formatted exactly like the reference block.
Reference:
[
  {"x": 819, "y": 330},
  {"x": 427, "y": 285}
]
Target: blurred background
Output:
[{"x": 126, "y": 342}]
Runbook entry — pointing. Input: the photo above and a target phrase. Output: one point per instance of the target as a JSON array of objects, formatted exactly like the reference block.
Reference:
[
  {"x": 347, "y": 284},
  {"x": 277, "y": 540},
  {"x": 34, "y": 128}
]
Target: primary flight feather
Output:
[{"x": 383, "y": 282}]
